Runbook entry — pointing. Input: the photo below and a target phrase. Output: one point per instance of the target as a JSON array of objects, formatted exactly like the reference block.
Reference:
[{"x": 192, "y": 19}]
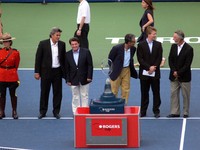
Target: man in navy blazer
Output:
[
  {"x": 180, "y": 60},
  {"x": 49, "y": 66},
  {"x": 121, "y": 56},
  {"x": 79, "y": 73},
  {"x": 149, "y": 54}
]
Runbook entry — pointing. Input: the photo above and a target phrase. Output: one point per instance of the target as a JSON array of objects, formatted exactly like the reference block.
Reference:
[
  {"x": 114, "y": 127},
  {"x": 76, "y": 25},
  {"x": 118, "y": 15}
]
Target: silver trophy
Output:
[
  {"x": 107, "y": 68},
  {"x": 107, "y": 103}
]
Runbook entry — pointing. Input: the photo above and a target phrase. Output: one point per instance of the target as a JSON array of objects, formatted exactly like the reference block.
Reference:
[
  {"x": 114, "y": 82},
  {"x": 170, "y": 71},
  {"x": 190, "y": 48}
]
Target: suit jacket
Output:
[
  {"x": 147, "y": 58},
  {"x": 181, "y": 63},
  {"x": 79, "y": 73},
  {"x": 117, "y": 56},
  {"x": 43, "y": 59}
]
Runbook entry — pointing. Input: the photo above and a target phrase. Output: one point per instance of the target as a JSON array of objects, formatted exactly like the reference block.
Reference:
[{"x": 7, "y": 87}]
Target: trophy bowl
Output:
[{"x": 107, "y": 67}]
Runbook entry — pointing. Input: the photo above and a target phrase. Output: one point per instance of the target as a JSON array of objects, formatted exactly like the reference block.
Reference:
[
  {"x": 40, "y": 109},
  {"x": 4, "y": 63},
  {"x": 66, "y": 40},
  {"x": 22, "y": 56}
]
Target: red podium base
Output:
[{"x": 107, "y": 130}]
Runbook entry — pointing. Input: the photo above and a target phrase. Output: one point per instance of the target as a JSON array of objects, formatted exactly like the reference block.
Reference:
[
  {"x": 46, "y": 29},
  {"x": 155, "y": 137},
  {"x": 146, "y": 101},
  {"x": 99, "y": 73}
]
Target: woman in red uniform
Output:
[
  {"x": 9, "y": 62},
  {"x": 1, "y": 25}
]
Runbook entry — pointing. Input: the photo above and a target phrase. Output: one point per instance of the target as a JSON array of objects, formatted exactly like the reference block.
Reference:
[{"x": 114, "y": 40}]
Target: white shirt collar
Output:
[
  {"x": 52, "y": 43},
  {"x": 149, "y": 42},
  {"x": 180, "y": 46},
  {"x": 76, "y": 51}
]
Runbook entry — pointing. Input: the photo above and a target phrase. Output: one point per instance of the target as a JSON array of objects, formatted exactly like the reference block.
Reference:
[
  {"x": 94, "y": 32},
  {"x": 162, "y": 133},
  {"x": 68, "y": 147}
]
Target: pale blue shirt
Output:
[
  {"x": 127, "y": 55},
  {"x": 76, "y": 55}
]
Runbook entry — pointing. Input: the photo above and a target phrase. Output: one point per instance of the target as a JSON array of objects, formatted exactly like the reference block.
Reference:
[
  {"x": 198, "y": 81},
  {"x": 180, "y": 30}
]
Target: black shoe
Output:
[
  {"x": 57, "y": 116},
  {"x": 157, "y": 115},
  {"x": 2, "y": 116},
  {"x": 41, "y": 116},
  {"x": 172, "y": 116},
  {"x": 14, "y": 115},
  {"x": 185, "y": 116},
  {"x": 142, "y": 115}
]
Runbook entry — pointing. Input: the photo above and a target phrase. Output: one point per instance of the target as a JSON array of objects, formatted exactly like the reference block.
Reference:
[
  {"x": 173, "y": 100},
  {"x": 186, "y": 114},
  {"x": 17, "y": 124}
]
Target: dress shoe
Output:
[
  {"x": 41, "y": 116},
  {"x": 142, "y": 115},
  {"x": 157, "y": 115},
  {"x": 57, "y": 116},
  {"x": 172, "y": 116},
  {"x": 2, "y": 116},
  {"x": 14, "y": 115},
  {"x": 185, "y": 116}
]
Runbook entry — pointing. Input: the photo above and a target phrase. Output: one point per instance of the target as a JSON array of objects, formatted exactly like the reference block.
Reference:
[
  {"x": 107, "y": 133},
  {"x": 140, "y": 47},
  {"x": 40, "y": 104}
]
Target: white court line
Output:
[
  {"x": 161, "y": 118},
  {"x": 194, "y": 118},
  {"x": 12, "y": 148},
  {"x": 166, "y": 118},
  {"x": 183, "y": 134}
]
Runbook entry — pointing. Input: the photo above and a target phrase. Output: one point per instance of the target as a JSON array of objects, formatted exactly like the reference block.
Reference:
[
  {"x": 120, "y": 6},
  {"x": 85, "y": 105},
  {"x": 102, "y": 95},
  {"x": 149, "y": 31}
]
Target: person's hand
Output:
[
  {"x": 78, "y": 32},
  {"x": 69, "y": 83},
  {"x": 152, "y": 69},
  {"x": 162, "y": 62},
  {"x": 175, "y": 74},
  {"x": 143, "y": 28},
  {"x": 37, "y": 76},
  {"x": 89, "y": 80}
]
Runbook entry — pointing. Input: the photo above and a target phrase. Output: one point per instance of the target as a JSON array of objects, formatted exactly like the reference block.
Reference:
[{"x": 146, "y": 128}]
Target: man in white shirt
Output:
[
  {"x": 83, "y": 21},
  {"x": 149, "y": 55},
  {"x": 180, "y": 60},
  {"x": 49, "y": 67}
]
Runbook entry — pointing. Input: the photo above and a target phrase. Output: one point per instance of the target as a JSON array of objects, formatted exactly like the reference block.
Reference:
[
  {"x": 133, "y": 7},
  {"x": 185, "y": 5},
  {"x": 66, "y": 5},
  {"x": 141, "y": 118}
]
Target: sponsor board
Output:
[{"x": 106, "y": 127}]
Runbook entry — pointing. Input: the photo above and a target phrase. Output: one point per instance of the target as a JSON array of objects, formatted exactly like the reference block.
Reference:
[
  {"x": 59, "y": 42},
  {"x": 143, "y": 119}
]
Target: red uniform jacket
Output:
[{"x": 8, "y": 69}]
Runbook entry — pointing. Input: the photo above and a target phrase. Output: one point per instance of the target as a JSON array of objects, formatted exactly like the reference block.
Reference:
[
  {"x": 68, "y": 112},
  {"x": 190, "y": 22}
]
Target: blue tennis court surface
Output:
[{"x": 51, "y": 134}]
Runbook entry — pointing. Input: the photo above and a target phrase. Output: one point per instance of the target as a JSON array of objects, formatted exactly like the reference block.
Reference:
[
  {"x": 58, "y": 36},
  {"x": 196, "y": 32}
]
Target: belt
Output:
[
  {"x": 126, "y": 67},
  {"x": 84, "y": 23},
  {"x": 7, "y": 67}
]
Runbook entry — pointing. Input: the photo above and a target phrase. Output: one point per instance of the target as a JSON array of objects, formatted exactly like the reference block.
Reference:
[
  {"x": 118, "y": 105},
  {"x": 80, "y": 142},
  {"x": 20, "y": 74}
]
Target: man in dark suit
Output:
[
  {"x": 149, "y": 54},
  {"x": 121, "y": 56},
  {"x": 79, "y": 73},
  {"x": 180, "y": 60},
  {"x": 49, "y": 66}
]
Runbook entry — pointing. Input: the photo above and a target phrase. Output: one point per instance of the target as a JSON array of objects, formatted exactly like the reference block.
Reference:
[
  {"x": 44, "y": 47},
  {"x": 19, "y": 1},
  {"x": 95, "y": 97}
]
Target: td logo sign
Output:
[{"x": 192, "y": 40}]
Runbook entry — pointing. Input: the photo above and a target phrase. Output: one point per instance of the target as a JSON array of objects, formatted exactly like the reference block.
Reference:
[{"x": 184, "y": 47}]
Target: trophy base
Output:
[{"x": 101, "y": 108}]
